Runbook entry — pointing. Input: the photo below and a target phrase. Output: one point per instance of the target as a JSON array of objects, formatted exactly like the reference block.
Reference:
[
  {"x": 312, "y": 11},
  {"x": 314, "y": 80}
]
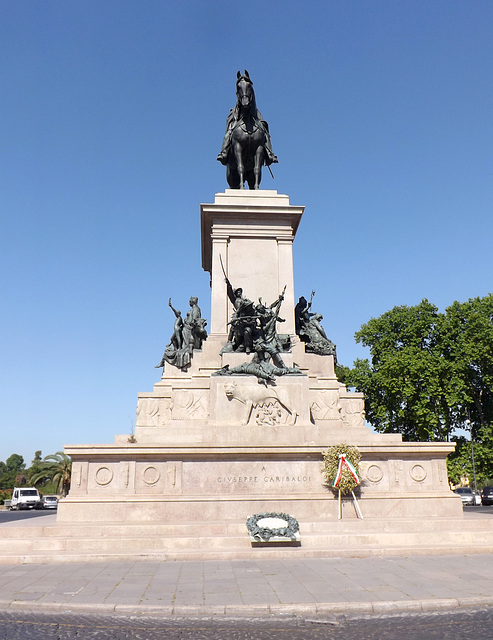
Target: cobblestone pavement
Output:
[{"x": 461, "y": 625}]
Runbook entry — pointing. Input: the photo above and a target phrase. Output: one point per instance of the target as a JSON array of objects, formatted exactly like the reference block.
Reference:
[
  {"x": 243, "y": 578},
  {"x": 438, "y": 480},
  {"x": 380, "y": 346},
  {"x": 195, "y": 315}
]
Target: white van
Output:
[{"x": 25, "y": 498}]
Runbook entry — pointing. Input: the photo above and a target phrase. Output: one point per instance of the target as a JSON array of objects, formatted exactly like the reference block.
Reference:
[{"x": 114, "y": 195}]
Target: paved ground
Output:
[{"x": 304, "y": 587}]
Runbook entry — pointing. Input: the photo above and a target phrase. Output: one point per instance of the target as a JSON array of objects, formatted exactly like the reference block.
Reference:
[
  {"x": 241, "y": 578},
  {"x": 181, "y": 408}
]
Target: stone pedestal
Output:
[
  {"x": 250, "y": 234},
  {"x": 212, "y": 449}
]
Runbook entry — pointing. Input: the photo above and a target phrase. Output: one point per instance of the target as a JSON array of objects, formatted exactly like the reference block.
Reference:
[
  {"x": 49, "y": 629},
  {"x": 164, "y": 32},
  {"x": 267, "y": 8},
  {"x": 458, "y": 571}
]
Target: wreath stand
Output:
[
  {"x": 343, "y": 460},
  {"x": 356, "y": 506}
]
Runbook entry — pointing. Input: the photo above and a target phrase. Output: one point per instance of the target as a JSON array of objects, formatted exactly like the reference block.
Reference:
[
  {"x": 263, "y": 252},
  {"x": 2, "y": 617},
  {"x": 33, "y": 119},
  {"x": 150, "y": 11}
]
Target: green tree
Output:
[
  {"x": 55, "y": 468},
  {"x": 12, "y": 470},
  {"x": 404, "y": 382},
  {"x": 460, "y": 462},
  {"x": 15, "y": 462},
  {"x": 467, "y": 346},
  {"x": 430, "y": 373},
  {"x": 36, "y": 466},
  {"x": 342, "y": 372},
  {"x": 4, "y": 477}
]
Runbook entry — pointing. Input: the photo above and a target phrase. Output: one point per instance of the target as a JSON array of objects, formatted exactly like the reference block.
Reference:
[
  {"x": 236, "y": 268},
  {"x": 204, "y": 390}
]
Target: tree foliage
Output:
[
  {"x": 11, "y": 470},
  {"x": 55, "y": 468},
  {"x": 15, "y": 462},
  {"x": 50, "y": 474},
  {"x": 430, "y": 377},
  {"x": 429, "y": 372}
]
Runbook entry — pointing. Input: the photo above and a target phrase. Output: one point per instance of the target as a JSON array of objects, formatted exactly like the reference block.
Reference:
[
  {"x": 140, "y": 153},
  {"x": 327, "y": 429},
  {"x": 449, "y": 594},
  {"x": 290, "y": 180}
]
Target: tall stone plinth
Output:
[
  {"x": 210, "y": 450},
  {"x": 249, "y": 236}
]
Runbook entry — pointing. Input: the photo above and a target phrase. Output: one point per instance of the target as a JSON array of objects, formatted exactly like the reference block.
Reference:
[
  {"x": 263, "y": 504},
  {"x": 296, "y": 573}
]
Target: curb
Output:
[{"x": 300, "y": 611}]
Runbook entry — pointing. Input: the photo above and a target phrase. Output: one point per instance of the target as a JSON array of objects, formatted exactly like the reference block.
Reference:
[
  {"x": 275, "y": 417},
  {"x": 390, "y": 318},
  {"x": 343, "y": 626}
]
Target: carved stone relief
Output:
[
  {"x": 374, "y": 473},
  {"x": 125, "y": 470},
  {"x": 418, "y": 473},
  {"x": 153, "y": 412},
  {"x": 190, "y": 404},
  {"x": 398, "y": 470},
  {"x": 157, "y": 477},
  {"x": 173, "y": 475},
  {"x": 327, "y": 405},
  {"x": 353, "y": 410},
  {"x": 440, "y": 471},
  {"x": 269, "y": 414},
  {"x": 104, "y": 476},
  {"x": 77, "y": 476},
  {"x": 263, "y": 406},
  {"x": 151, "y": 475}
]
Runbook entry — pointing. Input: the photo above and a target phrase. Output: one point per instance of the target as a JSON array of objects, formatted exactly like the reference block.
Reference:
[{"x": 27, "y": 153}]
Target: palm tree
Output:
[{"x": 56, "y": 468}]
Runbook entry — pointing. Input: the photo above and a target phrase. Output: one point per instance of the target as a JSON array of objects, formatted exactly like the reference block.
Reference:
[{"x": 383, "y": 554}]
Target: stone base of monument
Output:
[
  {"x": 190, "y": 540},
  {"x": 211, "y": 450}
]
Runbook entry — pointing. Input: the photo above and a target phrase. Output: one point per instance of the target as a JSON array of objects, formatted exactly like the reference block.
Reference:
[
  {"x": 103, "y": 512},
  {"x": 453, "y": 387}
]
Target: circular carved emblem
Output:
[
  {"x": 418, "y": 473},
  {"x": 104, "y": 476},
  {"x": 374, "y": 473},
  {"x": 151, "y": 475}
]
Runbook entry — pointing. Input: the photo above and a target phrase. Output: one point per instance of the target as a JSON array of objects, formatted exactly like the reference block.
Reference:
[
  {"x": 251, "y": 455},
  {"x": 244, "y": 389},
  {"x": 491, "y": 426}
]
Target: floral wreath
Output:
[
  {"x": 340, "y": 468},
  {"x": 265, "y": 533}
]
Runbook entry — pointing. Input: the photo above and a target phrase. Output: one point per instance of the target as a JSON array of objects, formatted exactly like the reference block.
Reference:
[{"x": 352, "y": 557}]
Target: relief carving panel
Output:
[
  {"x": 353, "y": 410},
  {"x": 103, "y": 476},
  {"x": 374, "y": 473},
  {"x": 418, "y": 473},
  {"x": 259, "y": 405},
  {"x": 153, "y": 412},
  {"x": 326, "y": 405},
  {"x": 157, "y": 477},
  {"x": 190, "y": 404}
]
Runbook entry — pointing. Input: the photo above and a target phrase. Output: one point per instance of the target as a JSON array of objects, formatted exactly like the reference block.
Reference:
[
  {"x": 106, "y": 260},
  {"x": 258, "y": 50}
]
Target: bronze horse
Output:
[{"x": 246, "y": 147}]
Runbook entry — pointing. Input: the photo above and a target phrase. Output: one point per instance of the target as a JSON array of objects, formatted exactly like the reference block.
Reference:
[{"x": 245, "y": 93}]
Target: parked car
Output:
[
  {"x": 477, "y": 498},
  {"x": 50, "y": 502},
  {"x": 466, "y": 495},
  {"x": 487, "y": 496},
  {"x": 25, "y": 498}
]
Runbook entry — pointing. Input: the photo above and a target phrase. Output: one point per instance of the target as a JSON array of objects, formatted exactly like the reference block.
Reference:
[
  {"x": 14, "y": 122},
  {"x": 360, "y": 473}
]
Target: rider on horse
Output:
[{"x": 232, "y": 121}]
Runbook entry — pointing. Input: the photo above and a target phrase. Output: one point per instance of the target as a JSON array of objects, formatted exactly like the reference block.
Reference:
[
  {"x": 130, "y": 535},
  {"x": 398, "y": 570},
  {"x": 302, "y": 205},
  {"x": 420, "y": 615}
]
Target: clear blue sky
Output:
[{"x": 112, "y": 114}]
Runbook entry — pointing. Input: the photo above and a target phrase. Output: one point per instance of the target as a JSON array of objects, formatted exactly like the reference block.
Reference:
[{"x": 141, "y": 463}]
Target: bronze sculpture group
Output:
[
  {"x": 310, "y": 331},
  {"x": 253, "y": 331},
  {"x": 253, "y": 327},
  {"x": 187, "y": 335}
]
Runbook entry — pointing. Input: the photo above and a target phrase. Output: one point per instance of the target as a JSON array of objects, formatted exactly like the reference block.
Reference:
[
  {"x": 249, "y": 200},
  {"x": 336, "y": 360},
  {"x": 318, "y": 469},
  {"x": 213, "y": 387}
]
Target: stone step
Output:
[
  {"x": 188, "y": 541},
  {"x": 263, "y": 553},
  {"x": 223, "y": 528}
]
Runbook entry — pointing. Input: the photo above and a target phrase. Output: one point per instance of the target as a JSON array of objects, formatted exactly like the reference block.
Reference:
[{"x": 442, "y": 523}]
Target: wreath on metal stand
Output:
[{"x": 340, "y": 472}]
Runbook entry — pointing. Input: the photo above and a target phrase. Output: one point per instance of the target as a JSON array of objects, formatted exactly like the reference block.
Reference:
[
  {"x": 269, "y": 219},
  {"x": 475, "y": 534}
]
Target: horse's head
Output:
[{"x": 245, "y": 93}]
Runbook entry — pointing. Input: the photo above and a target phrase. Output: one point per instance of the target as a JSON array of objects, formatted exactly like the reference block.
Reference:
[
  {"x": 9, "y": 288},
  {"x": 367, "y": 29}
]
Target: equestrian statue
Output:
[{"x": 246, "y": 145}]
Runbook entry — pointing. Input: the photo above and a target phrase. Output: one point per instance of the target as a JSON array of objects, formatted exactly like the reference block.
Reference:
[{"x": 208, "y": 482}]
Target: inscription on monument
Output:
[
  {"x": 243, "y": 477},
  {"x": 260, "y": 479}
]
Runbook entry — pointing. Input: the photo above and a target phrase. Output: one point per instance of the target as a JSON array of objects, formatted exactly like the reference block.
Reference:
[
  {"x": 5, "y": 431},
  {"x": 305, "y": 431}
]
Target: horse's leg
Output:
[
  {"x": 250, "y": 178},
  {"x": 259, "y": 161},
  {"x": 239, "y": 163},
  {"x": 232, "y": 177}
]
